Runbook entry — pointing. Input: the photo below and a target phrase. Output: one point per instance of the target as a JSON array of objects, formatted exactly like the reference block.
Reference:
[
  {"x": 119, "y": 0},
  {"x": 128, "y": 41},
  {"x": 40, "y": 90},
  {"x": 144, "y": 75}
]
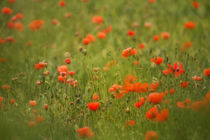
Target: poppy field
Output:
[{"x": 104, "y": 69}]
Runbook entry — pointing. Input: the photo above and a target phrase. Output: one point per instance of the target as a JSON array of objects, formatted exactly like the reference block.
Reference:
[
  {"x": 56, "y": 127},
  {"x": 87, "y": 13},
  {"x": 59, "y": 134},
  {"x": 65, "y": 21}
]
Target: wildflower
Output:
[
  {"x": 151, "y": 135},
  {"x": 97, "y": 19},
  {"x": 68, "y": 60},
  {"x": 131, "y": 33},
  {"x": 68, "y": 15},
  {"x": 129, "y": 52},
  {"x": 140, "y": 103},
  {"x": 6, "y": 11},
  {"x": 153, "y": 86},
  {"x": 196, "y": 4},
  {"x": 151, "y": 1},
  {"x": 101, "y": 35},
  {"x": 183, "y": 104},
  {"x": 141, "y": 46},
  {"x": 156, "y": 38},
  {"x": 1, "y": 41},
  {"x": 197, "y": 78},
  {"x": 158, "y": 60},
  {"x": 189, "y": 25},
  {"x": 152, "y": 113},
  {"x": 4, "y": 87},
  {"x": 177, "y": 70},
  {"x": 31, "y": 123},
  {"x": 54, "y": 22},
  {"x": 62, "y": 3},
  {"x": 36, "y": 25},
  {"x": 130, "y": 123},
  {"x": 156, "y": 98},
  {"x": 172, "y": 91},
  {"x": 11, "y": 1},
  {"x": 199, "y": 105},
  {"x": 162, "y": 116},
  {"x": 32, "y": 103},
  {"x": 19, "y": 26},
  {"x": 207, "y": 72},
  {"x": 208, "y": 96},
  {"x": 12, "y": 101},
  {"x": 93, "y": 106},
  {"x": 165, "y": 35},
  {"x": 90, "y": 37},
  {"x": 184, "y": 84},
  {"x": 136, "y": 63},
  {"x": 85, "y": 131},
  {"x": 62, "y": 68},
  {"x": 40, "y": 119},
  {"x": 1, "y": 99},
  {"x": 95, "y": 97},
  {"x": 147, "y": 24}
]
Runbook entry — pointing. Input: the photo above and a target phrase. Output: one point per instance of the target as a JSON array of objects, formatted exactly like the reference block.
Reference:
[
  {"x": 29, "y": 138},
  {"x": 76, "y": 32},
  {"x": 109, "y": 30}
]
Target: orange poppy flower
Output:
[
  {"x": 40, "y": 119},
  {"x": 90, "y": 37},
  {"x": 152, "y": 113},
  {"x": 140, "y": 103},
  {"x": 68, "y": 60},
  {"x": 156, "y": 98},
  {"x": 32, "y": 123},
  {"x": 130, "y": 123},
  {"x": 6, "y": 11},
  {"x": 158, "y": 60},
  {"x": 85, "y": 131},
  {"x": 19, "y": 26},
  {"x": 131, "y": 33},
  {"x": 141, "y": 46},
  {"x": 62, "y": 68},
  {"x": 1, "y": 41},
  {"x": 197, "y": 78},
  {"x": 189, "y": 25},
  {"x": 208, "y": 96},
  {"x": 136, "y": 63},
  {"x": 93, "y": 106},
  {"x": 36, "y": 25},
  {"x": 97, "y": 19},
  {"x": 151, "y": 1},
  {"x": 184, "y": 84},
  {"x": 153, "y": 86},
  {"x": 151, "y": 135},
  {"x": 196, "y": 4},
  {"x": 54, "y": 21},
  {"x": 32, "y": 103},
  {"x": 101, "y": 35},
  {"x": 165, "y": 35},
  {"x": 183, "y": 104},
  {"x": 129, "y": 52},
  {"x": 95, "y": 97},
  {"x": 162, "y": 116},
  {"x": 207, "y": 72},
  {"x": 62, "y": 3},
  {"x": 12, "y": 101},
  {"x": 199, "y": 105},
  {"x": 11, "y": 1},
  {"x": 172, "y": 91},
  {"x": 156, "y": 38},
  {"x": 1, "y": 99}
]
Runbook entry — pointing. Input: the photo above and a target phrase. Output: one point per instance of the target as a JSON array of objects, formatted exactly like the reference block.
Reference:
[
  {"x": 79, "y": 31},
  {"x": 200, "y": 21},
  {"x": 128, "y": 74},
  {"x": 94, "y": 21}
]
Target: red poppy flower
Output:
[
  {"x": 172, "y": 91},
  {"x": 162, "y": 116},
  {"x": 129, "y": 52},
  {"x": 11, "y": 1},
  {"x": 156, "y": 38},
  {"x": 140, "y": 103},
  {"x": 151, "y": 135},
  {"x": 32, "y": 103},
  {"x": 95, "y": 97},
  {"x": 196, "y": 4},
  {"x": 131, "y": 33},
  {"x": 189, "y": 25},
  {"x": 62, "y": 3},
  {"x": 36, "y": 25},
  {"x": 207, "y": 72},
  {"x": 93, "y": 106},
  {"x": 197, "y": 78},
  {"x": 7, "y": 10},
  {"x": 165, "y": 35},
  {"x": 184, "y": 84},
  {"x": 152, "y": 113},
  {"x": 158, "y": 60},
  {"x": 156, "y": 98},
  {"x": 101, "y": 35},
  {"x": 85, "y": 131},
  {"x": 130, "y": 123},
  {"x": 141, "y": 46},
  {"x": 68, "y": 60},
  {"x": 97, "y": 19}
]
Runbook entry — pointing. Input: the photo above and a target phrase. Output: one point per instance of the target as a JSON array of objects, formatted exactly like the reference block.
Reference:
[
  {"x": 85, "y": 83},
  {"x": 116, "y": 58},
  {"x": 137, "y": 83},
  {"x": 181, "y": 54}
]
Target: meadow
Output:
[{"x": 104, "y": 69}]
